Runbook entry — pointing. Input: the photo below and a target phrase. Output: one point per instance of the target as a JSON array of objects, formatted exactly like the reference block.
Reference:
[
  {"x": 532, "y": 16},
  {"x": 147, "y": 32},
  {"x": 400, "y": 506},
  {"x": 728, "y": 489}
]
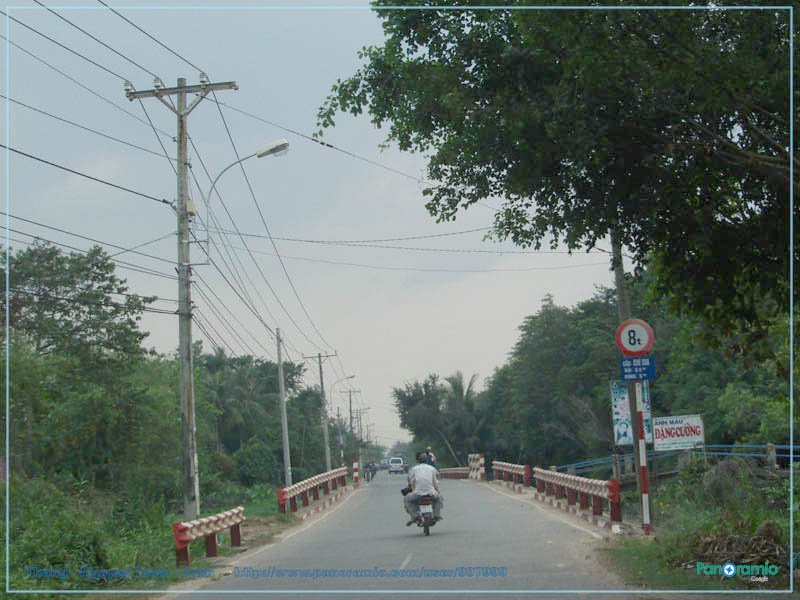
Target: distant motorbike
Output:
[{"x": 425, "y": 519}]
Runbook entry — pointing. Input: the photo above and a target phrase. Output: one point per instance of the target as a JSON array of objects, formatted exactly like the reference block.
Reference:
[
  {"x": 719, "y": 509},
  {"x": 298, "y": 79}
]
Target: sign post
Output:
[{"x": 635, "y": 339}]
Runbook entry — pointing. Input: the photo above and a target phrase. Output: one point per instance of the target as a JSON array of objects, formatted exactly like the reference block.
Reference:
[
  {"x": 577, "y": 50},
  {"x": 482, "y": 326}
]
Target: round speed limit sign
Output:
[{"x": 635, "y": 337}]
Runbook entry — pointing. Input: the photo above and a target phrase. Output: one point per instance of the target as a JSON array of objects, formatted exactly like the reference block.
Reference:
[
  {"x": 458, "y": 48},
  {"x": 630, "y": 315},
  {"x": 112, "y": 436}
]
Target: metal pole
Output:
[
  {"x": 646, "y": 526},
  {"x": 287, "y": 459},
  {"x": 191, "y": 491}
]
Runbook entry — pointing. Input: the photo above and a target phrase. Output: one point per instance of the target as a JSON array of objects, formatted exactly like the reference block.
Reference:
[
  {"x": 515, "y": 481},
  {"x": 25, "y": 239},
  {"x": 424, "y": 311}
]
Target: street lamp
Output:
[
  {"x": 276, "y": 148},
  {"x": 339, "y": 422}
]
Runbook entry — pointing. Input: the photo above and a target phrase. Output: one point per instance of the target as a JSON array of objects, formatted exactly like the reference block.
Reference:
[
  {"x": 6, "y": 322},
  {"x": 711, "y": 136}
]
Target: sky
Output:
[{"x": 391, "y": 315}]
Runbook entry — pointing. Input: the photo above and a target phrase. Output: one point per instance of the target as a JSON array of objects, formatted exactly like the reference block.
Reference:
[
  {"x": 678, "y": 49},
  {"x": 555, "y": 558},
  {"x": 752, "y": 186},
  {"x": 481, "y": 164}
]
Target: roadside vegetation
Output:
[{"x": 95, "y": 426}]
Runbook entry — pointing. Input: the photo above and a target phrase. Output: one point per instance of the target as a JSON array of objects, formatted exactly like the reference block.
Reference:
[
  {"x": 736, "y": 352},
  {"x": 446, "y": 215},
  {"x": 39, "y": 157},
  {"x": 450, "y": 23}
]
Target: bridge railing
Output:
[
  {"x": 580, "y": 489},
  {"x": 510, "y": 471},
  {"x": 331, "y": 480},
  {"x": 454, "y": 472},
  {"x": 208, "y": 528},
  {"x": 477, "y": 466}
]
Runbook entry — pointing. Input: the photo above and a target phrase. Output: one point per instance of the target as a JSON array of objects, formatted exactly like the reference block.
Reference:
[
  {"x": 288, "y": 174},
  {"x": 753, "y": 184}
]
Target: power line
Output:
[
  {"x": 79, "y": 126},
  {"x": 114, "y": 185},
  {"x": 120, "y": 263},
  {"x": 367, "y": 241},
  {"x": 387, "y": 268},
  {"x": 156, "y": 40},
  {"x": 86, "y": 301},
  {"x": 90, "y": 239},
  {"x": 99, "y": 41},
  {"x": 255, "y": 201},
  {"x": 79, "y": 84},
  {"x": 67, "y": 48},
  {"x": 337, "y": 149}
]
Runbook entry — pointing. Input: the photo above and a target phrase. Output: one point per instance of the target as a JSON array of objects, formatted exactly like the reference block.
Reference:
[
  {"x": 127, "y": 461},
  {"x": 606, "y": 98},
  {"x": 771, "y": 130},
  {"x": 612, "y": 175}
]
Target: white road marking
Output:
[
  {"x": 557, "y": 518},
  {"x": 404, "y": 564},
  {"x": 294, "y": 533}
]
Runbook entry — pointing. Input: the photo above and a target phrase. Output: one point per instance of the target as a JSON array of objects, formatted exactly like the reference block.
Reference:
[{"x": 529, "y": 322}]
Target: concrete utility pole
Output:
[
  {"x": 185, "y": 210},
  {"x": 326, "y": 441},
  {"x": 287, "y": 459},
  {"x": 341, "y": 441}
]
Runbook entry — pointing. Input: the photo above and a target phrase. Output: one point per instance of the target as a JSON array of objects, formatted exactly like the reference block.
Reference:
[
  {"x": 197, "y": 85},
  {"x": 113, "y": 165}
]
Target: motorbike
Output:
[{"x": 425, "y": 519}]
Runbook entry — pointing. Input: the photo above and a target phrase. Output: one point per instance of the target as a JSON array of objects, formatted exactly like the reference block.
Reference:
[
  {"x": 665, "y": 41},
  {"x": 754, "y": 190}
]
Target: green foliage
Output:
[
  {"x": 254, "y": 463},
  {"x": 669, "y": 126}
]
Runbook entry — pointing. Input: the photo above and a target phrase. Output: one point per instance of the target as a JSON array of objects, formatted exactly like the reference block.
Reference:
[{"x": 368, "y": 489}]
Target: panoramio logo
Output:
[{"x": 759, "y": 573}]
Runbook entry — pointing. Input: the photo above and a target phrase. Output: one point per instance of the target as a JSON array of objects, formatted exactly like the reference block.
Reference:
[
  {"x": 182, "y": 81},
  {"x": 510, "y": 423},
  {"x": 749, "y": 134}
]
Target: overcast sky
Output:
[{"x": 392, "y": 315}]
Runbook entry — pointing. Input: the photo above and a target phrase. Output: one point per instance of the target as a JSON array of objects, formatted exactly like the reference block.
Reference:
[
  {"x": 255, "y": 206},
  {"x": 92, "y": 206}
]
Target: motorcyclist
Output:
[
  {"x": 431, "y": 457},
  {"x": 424, "y": 481}
]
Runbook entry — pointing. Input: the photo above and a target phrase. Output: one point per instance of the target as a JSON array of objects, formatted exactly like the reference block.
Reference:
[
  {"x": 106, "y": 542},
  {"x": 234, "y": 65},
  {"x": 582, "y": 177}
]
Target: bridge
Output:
[{"x": 492, "y": 539}]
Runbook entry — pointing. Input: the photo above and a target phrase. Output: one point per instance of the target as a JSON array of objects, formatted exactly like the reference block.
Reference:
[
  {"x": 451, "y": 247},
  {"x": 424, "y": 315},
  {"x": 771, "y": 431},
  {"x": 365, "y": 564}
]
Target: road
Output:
[{"x": 483, "y": 526}]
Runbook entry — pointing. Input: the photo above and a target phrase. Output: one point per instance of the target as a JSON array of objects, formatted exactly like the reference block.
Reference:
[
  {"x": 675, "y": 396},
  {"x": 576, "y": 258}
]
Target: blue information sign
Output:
[{"x": 637, "y": 369}]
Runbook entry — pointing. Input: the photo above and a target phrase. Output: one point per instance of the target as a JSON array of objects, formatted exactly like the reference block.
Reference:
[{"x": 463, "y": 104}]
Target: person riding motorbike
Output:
[
  {"x": 424, "y": 481},
  {"x": 431, "y": 457}
]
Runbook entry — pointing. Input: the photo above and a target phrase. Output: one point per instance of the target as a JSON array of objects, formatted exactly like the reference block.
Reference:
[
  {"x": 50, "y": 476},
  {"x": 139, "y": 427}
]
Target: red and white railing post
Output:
[
  {"x": 646, "y": 524},
  {"x": 287, "y": 497},
  {"x": 551, "y": 486},
  {"x": 355, "y": 474},
  {"x": 207, "y": 527}
]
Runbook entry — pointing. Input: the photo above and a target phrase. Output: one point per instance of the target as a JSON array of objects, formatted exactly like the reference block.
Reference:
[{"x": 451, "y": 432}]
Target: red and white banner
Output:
[{"x": 678, "y": 433}]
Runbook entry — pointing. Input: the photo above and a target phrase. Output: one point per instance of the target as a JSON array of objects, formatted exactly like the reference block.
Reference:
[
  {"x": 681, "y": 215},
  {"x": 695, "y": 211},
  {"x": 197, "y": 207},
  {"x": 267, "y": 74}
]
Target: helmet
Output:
[{"x": 428, "y": 449}]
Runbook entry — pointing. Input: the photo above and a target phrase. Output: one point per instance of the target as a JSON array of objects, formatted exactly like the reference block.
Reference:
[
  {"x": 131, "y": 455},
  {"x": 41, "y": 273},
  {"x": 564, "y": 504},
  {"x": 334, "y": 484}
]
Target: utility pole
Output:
[
  {"x": 341, "y": 442},
  {"x": 624, "y": 312},
  {"x": 287, "y": 459},
  {"x": 185, "y": 209},
  {"x": 326, "y": 442}
]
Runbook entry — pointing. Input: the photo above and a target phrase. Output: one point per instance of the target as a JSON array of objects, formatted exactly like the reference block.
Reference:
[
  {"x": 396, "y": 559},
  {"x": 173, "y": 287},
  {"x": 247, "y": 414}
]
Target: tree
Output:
[
  {"x": 669, "y": 127},
  {"x": 73, "y": 304}
]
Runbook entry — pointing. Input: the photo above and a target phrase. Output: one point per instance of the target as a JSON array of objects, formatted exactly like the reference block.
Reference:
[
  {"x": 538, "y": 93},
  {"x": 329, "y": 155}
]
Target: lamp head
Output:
[
  {"x": 158, "y": 84},
  {"x": 277, "y": 148}
]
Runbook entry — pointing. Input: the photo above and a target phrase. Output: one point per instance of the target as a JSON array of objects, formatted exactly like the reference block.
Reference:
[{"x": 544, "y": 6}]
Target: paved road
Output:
[{"x": 484, "y": 526}]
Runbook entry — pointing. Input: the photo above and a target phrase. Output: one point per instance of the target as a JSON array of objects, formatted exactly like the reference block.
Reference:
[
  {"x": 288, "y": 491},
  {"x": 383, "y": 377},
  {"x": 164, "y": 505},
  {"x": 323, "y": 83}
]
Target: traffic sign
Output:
[
  {"x": 634, "y": 337},
  {"x": 634, "y": 368}
]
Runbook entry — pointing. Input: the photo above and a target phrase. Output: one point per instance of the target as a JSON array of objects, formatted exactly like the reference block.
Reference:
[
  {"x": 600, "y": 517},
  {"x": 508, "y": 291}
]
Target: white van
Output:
[{"x": 397, "y": 465}]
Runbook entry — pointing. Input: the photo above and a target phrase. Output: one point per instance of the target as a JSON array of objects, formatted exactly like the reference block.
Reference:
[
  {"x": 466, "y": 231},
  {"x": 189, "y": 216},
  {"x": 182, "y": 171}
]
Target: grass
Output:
[{"x": 712, "y": 514}]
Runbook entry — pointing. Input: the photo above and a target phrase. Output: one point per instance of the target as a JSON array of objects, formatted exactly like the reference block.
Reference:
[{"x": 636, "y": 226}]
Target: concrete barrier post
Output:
[
  {"x": 315, "y": 492},
  {"x": 559, "y": 491},
  {"x": 355, "y": 474},
  {"x": 482, "y": 467},
  {"x": 293, "y": 503},
  {"x": 570, "y": 496},
  {"x": 539, "y": 486},
  {"x": 597, "y": 505},
  {"x": 583, "y": 500},
  {"x": 614, "y": 501},
  {"x": 326, "y": 488},
  {"x": 772, "y": 458},
  {"x": 304, "y": 497},
  {"x": 527, "y": 477},
  {"x": 236, "y": 535},
  {"x": 282, "y": 500},
  {"x": 211, "y": 545}
]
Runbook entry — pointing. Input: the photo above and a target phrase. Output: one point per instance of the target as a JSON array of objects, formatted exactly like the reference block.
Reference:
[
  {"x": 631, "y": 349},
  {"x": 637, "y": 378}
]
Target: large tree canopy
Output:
[{"x": 670, "y": 127}]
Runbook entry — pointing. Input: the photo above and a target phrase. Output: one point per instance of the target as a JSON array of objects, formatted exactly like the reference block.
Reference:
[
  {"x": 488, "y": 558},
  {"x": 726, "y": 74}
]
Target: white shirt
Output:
[{"x": 425, "y": 479}]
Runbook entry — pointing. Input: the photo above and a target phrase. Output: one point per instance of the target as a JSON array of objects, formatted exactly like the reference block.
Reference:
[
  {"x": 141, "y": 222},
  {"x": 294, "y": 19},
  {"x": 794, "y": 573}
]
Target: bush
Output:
[{"x": 255, "y": 463}]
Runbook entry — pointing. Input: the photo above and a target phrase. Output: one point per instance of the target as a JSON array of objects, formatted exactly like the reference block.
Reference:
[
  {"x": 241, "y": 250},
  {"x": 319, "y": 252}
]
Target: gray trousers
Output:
[{"x": 411, "y": 502}]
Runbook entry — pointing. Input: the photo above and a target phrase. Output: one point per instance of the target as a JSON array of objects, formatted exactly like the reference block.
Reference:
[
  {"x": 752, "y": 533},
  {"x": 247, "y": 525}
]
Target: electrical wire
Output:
[
  {"x": 79, "y": 84},
  {"x": 121, "y": 263},
  {"x": 85, "y": 128},
  {"x": 156, "y": 40},
  {"x": 67, "y": 48},
  {"x": 114, "y": 185},
  {"x": 266, "y": 227},
  {"x": 90, "y": 239},
  {"x": 99, "y": 41},
  {"x": 87, "y": 302},
  {"x": 342, "y": 150},
  {"x": 387, "y": 268},
  {"x": 367, "y": 241}
]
